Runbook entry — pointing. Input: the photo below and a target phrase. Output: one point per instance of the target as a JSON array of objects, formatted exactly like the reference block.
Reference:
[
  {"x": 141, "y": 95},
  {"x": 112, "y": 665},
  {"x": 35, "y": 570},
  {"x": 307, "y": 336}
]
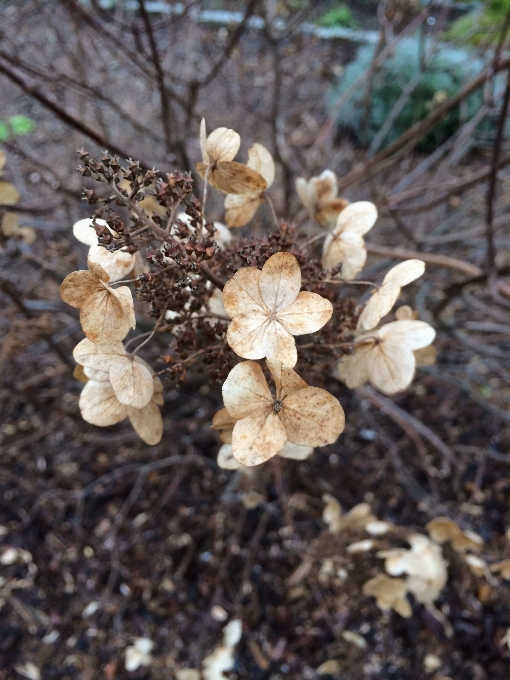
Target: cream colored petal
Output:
[
  {"x": 98, "y": 271},
  {"x": 9, "y": 195},
  {"x": 78, "y": 286},
  {"x": 279, "y": 344},
  {"x": 346, "y": 249},
  {"x": 260, "y": 160},
  {"x": 353, "y": 368},
  {"x": 426, "y": 356},
  {"x": 405, "y": 272},
  {"x": 325, "y": 186},
  {"x": 246, "y": 335},
  {"x": 357, "y": 218},
  {"x": 85, "y": 233},
  {"x": 280, "y": 281},
  {"x": 222, "y": 145},
  {"x": 241, "y": 294},
  {"x": 203, "y": 142},
  {"x": 295, "y": 452},
  {"x": 312, "y": 417},
  {"x": 97, "y": 375},
  {"x": 125, "y": 300},
  {"x": 99, "y": 405},
  {"x": 147, "y": 423},
  {"x": 104, "y": 319},
  {"x": 390, "y": 368},
  {"x": 216, "y": 303},
  {"x": 286, "y": 380},
  {"x": 307, "y": 314},
  {"x": 158, "y": 399},
  {"x": 241, "y": 209},
  {"x": 98, "y": 357},
  {"x": 117, "y": 265},
  {"x": 378, "y": 305},
  {"x": 306, "y": 193},
  {"x": 405, "y": 313},
  {"x": 236, "y": 178},
  {"x": 222, "y": 235},
  {"x": 132, "y": 382},
  {"x": 258, "y": 438},
  {"x": 226, "y": 459},
  {"x": 412, "y": 334},
  {"x": 245, "y": 391}
]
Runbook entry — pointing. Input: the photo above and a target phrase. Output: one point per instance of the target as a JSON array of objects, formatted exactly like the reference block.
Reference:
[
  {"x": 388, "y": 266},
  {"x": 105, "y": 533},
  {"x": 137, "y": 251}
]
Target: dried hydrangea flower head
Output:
[
  {"x": 241, "y": 209},
  {"x": 383, "y": 298},
  {"x": 218, "y": 152},
  {"x": 106, "y": 313},
  {"x": 117, "y": 264},
  {"x": 385, "y": 357},
  {"x": 356, "y": 519},
  {"x": 224, "y": 424},
  {"x": 345, "y": 245},
  {"x": 320, "y": 197},
  {"x": 120, "y": 387},
  {"x": 303, "y": 415},
  {"x": 267, "y": 310}
]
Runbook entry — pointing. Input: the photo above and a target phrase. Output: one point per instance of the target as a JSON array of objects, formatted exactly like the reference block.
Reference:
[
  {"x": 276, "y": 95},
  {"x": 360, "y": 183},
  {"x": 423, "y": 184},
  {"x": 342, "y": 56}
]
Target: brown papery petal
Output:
[
  {"x": 117, "y": 265},
  {"x": 279, "y": 344},
  {"x": 312, "y": 417},
  {"x": 203, "y": 142},
  {"x": 286, "y": 380},
  {"x": 222, "y": 145},
  {"x": 104, "y": 317},
  {"x": 233, "y": 178},
  {"x": 378, "y": 305},
  {"x": 328, "y": 214},
  {"x": 147, "y": 423},
  {"x": 241, "y": 209},
  {"x": 245, "y": 391},
  {"x": 98, "y": 271},
  {"x": 98, "y": 357},
  {"x": 9, "y": 195},
  {"x": 258, "y": 438},
  {"x": 405, "y": 272},
  {"x": 280, "y": 281},
  {"x": 246, "y": 335},
  {"x": 132, "y": 382},
  {"x": 307, "y": 314},
  {"x": 224, "y": 424},
  {"x": 241, "y": 294},
  {"x": 260, "y": 160},
  {"x": 326, "y": 186},
  {"x": 78, "y": 286},
  {"x": 99, "y": 405},
  {"x": 356, "y": 218}
]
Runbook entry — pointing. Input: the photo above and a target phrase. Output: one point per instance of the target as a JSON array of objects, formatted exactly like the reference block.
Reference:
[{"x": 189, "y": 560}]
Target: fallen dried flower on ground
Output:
[
  {"x": 443, "y": 529},
  {"x": 389, "y": 593},
  {"x": 303, "y": 415},
  {"x": 222, "y": 659},
  {"x": 267, "y": 310},
  {"x": 241, "y": 209},
  {"x": 106, "y": 313},
  {"x": 320, "y": 197},
  {"x": 345, "y": 245}
]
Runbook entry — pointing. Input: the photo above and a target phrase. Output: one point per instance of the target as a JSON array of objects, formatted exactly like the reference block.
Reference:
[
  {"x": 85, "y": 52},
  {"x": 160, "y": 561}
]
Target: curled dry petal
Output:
[
  {"x": 356, "y": 218},
  {"x": 117, "y": 264},
  {"x": 383, "y": 299},
  {"x": 99, "y": 404},
  {"x": 232, "y": 178},
  {"x": 203, "y": 142},
  {"x": 346, "y": 249},
  {"x": 319, "y": 196},
  {"x": 131, "y": 381}
]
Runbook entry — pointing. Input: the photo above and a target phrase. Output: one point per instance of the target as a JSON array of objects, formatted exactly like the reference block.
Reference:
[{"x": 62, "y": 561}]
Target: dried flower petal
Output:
[
  {"x": 389, "y": 593},
  {"x": 9, "y": 195},
  {"x": 241, "y": 209},
  {"x": 443, "y": 529},
  {"x": 345, "y": 245},
  {"x": 319, "y": 196},
  {"x": 117, "y": 264},
  {"x": 147, "y": 422},
  {"x": 131, "y": 381},
  {"x": 99, "y": 404}
]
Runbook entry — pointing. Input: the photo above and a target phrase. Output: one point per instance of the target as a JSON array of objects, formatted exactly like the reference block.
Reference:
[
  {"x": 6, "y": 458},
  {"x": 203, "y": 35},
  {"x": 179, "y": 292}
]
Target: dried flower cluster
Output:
[{"x": 216, "y": 299}]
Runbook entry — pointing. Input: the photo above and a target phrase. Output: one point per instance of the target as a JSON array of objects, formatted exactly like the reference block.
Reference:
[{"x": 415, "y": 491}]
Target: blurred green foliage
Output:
[
  {"x": 18, "y": 125},
  {"x": 483, "y": 22},
  {"x": 340, "y": 15},
  {"x": 447, "y": 70}
]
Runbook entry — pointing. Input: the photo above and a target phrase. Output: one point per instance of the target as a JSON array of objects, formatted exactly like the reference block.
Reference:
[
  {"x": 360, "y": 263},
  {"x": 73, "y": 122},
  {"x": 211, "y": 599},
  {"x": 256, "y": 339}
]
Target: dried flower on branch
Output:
[
  {"x": 303, "y": 415},
  {"x": 320, "y": 197},
  {"x": 267, "y": 310}
]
